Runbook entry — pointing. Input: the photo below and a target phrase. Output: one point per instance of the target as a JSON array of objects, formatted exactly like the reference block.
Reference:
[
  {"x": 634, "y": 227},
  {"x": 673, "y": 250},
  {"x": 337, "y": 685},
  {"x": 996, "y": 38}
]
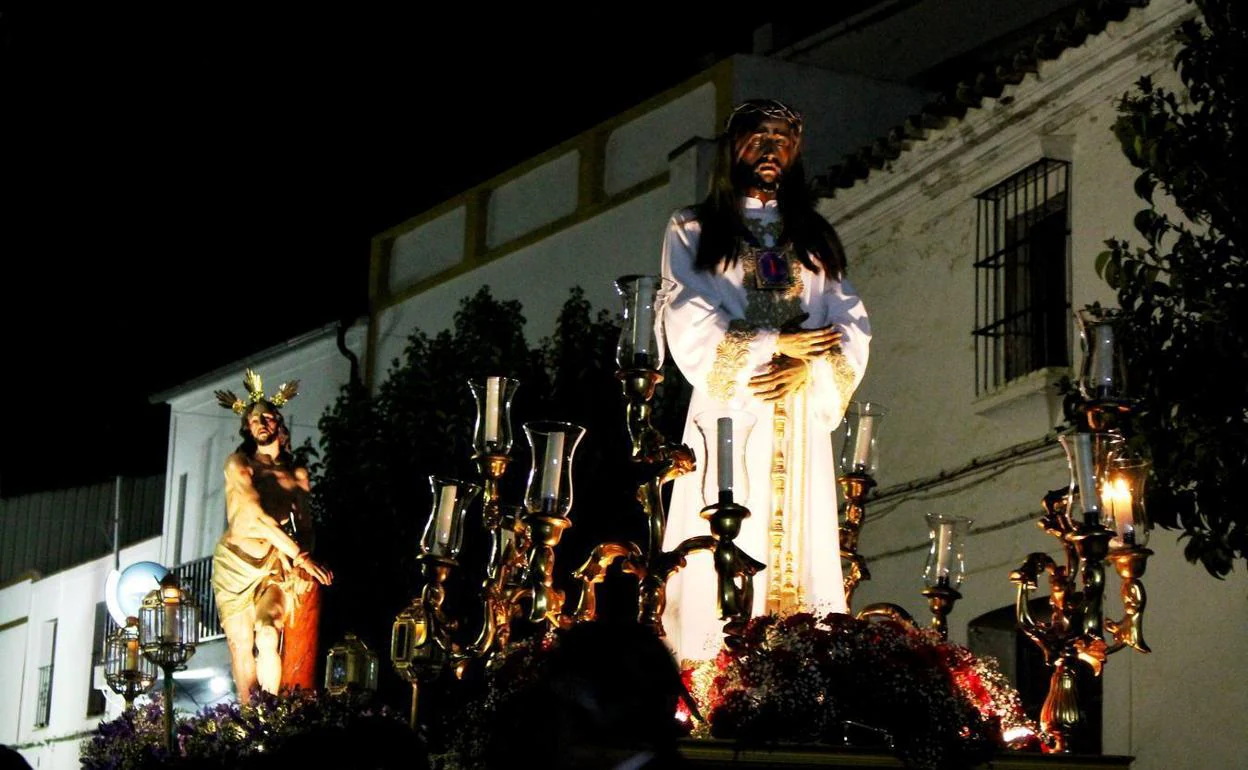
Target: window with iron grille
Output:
[{"x": 1022, "y": 275}]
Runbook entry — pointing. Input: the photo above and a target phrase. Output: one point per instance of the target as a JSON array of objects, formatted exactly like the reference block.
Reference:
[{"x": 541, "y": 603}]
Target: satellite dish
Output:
[{"x": 124, "y": 590}]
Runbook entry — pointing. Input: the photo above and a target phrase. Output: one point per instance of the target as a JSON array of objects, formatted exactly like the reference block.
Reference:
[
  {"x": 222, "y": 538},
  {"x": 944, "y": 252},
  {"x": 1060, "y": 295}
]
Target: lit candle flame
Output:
[{"x": 1117, "y": 496}]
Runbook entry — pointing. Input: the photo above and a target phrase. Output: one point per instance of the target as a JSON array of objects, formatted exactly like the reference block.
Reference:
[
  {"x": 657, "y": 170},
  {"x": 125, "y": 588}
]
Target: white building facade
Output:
[
  {"x": 46, "y": 651},
  {"x": 965, "y": 435}
]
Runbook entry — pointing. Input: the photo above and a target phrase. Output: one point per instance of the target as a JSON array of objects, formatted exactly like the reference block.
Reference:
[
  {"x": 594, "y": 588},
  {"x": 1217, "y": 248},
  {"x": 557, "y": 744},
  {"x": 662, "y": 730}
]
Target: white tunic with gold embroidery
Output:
[{"x": 722, "y": 330}]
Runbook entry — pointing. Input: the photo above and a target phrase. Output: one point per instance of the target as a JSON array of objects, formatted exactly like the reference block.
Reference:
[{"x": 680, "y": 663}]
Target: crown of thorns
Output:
[
  {"x": 762, "y": 109},
  {"x": 255, "y": 394}
]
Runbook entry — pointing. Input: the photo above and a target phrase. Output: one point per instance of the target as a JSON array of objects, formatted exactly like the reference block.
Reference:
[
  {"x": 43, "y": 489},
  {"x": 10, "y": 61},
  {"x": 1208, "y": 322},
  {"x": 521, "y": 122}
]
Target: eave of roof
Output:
[
  {"x": 236, "y": 367},
  {"x": 971, "y": 92}
]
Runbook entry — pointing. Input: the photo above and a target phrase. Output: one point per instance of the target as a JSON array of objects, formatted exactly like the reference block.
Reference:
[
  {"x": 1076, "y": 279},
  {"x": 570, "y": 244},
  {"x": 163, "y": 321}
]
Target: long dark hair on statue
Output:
[
  {"x": 249, "y": 446},
  {"x": 720, "y": 217}
]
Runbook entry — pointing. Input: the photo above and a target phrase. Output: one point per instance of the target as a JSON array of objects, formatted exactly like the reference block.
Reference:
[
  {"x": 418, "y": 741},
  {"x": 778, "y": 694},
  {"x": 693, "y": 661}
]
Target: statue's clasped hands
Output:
[{"x": 787, "y": 373}]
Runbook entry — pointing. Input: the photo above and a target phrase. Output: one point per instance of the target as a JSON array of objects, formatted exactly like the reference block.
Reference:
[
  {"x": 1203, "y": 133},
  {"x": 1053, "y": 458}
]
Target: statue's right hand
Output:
[
  {"x": 808, "y": 344},
  {"x": 317, "y": 571}
]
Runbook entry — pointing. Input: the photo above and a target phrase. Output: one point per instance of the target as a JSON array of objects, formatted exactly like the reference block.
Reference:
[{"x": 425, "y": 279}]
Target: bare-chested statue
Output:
[{"x": 262, "y": 574}]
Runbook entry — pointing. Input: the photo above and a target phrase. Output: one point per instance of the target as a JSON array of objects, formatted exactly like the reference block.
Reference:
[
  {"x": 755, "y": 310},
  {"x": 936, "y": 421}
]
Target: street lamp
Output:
[
  {"x": 168, "y": 634},
  {"x": 127, "y": 671}
]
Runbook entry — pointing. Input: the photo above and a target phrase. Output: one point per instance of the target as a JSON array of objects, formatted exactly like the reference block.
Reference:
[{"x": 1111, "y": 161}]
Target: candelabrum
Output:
[
  {"x": 520, "y": 566},
  {"x": 128, "y": 672},
  {"x": 1099, "y": 518},
  {"x": 422, "y": 641},
  {"x": 168, "y": 635},
  {"x": 655, "y": 462}
]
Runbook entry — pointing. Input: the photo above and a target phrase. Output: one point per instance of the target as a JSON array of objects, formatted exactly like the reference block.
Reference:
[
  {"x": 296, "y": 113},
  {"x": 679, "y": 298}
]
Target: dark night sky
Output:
[{"x": 181, "y": 189}]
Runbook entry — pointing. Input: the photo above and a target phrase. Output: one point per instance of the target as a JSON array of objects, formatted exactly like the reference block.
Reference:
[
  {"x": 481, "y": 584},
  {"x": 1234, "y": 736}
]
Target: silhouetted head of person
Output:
[
  {"x": 607, "y": 692},
  {"x": 11, "y": 760}
]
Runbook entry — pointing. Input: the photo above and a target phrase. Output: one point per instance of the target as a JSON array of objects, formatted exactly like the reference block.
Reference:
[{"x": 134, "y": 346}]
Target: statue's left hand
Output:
[{"x": 783, "y": 376}]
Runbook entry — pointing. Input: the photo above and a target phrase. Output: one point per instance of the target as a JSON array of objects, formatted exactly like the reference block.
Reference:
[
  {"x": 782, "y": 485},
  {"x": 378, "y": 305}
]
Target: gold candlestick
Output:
[
  {"x": 1129, "y": 563},
  {"x": 508, "y": 538},
  {"x": 734, "y": 568},
  {"x": 940, "y": 598},
  {"x": 854, "y": 488},
  {"x": 545, "y": 601}
]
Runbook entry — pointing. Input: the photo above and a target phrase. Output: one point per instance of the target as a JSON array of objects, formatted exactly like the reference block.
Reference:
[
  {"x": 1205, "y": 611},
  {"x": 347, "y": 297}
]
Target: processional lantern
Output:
[{"x": 350, "y": 667}]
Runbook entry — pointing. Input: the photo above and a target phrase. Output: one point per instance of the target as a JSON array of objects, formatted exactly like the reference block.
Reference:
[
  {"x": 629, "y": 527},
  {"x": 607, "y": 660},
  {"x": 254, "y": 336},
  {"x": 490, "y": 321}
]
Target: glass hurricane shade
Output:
[
  {"x": 549, "y": 488},
  {"x": 859, "y": 452},
  {"x": 725, "y": 435},
  {"x": 1089, "y": 454},
  {"x": 1122, "y": 502},
  {"x": 641, "y": 344},
  {"x": 444, "y": 531},
  {"x": 492, "y": 434},
  {"x": 946, "y": 554},
  {"x": 1102, "y": 371}
]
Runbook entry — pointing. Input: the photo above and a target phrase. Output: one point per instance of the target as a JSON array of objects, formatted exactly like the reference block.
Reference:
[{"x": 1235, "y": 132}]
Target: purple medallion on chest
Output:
[{"x": 773, "y": 270}]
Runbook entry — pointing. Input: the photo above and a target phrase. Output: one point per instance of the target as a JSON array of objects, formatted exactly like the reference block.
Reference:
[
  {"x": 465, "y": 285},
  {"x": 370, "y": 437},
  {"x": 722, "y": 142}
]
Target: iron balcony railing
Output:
[{"x": 196, "y": 579}]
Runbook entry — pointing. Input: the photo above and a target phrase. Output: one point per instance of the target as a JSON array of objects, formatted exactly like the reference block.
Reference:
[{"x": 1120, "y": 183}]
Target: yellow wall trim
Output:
[{"x": 524, "y": 241}]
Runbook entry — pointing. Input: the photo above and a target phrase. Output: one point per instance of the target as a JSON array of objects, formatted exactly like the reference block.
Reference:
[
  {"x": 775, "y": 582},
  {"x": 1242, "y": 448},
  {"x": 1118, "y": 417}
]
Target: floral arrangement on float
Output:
[
  {"x": 271, "y": 728},
  {"x": 874, "y": 684},
  {"x": 841, "y": 680}
]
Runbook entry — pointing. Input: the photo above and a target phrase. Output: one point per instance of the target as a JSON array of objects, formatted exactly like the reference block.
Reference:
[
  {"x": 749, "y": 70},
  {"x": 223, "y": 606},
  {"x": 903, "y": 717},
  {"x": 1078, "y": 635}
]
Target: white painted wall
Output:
[
  {"x": 15, "y": 620},
  {"x": 543, "y": 195},
  {"x": 428, "y": 249},
  {"x": 637, "y": 150},
  {"x": 910, "y": 236},
  {"x": 202, "y": 434},
  {"x": 69, "y": 598}
]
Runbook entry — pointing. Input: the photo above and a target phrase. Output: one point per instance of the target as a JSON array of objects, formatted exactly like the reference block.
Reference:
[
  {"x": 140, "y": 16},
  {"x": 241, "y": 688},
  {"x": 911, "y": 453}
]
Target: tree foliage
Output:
[
  {"x": 1185, "y": 290},
  {"x": 378, "y": 449}
]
